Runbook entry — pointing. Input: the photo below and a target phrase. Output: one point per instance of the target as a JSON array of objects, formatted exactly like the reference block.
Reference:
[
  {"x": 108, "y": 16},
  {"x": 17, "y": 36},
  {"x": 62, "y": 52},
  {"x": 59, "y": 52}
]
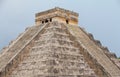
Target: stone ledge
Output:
[{"x": 57, "y": 9}]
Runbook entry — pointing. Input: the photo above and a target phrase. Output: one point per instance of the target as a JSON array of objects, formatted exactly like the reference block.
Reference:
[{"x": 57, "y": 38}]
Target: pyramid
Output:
[{"x": 57, "y": 47}]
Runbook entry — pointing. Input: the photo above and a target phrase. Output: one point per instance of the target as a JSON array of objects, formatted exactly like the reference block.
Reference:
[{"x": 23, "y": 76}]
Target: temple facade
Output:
[{"x": 57, "y": 14}]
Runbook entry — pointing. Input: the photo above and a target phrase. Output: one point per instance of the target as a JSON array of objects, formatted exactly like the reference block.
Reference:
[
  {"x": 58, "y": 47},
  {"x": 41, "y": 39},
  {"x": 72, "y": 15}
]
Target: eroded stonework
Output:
[
  {"x": 57, "y": 49},
  {"x": 54, "y": 54},
  {"x": 57, "y": 14}
]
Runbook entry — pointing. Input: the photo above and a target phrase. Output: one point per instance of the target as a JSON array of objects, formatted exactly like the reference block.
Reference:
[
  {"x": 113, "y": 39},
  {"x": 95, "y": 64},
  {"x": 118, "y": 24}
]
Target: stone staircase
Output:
[
  {"x": 14, "y": 51},
  {"x": 54, "y": 54},
  {"x": 95, "y": 51},
  {"x": 55, "y": 50},
  {"x": 116, "y": 61},
  {"x": 6, "y": 55}
]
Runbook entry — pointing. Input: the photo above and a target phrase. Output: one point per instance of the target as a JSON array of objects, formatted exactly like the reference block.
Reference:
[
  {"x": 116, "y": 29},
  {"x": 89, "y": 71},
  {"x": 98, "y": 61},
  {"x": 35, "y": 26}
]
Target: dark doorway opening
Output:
[
  {"x": 50, "y": 19},
  {"x": 46, "y": 21},
  {"x": 42, "y": 22},
  {"x": 67, "y": 21}
]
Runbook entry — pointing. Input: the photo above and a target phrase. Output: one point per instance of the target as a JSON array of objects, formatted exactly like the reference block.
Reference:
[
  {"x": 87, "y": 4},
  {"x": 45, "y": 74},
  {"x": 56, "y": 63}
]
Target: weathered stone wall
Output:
[
  {"x": 15, "y": 61},
  {"x": 95, "y": 52},
  {"x": 116, "y": 61},
  {"x": 98, "y": 43},
  {"x": 61, "y": 14},
  {"x": 112, "y": 56},
  {"x": 9, "y": 64},
  {"x": 98, "y": 69},
  {"x": 54, "y": 54},
  {"x": 56, "y": 49},
  {"x": 57, "y": 9}
]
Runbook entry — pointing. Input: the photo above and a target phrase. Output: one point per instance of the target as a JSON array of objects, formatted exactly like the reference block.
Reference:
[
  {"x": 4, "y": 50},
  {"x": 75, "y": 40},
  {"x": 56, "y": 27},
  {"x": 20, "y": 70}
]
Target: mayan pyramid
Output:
[{"x": 57, "y": 47}]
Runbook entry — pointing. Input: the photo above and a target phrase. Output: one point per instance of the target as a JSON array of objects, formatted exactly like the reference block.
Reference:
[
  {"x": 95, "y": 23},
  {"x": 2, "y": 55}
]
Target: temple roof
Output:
[{"x": 57, "y": 9}]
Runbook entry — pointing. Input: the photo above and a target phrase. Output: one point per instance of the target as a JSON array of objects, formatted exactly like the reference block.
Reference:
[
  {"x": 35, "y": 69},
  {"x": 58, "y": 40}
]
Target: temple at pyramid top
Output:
[
  {"x": 57, "y": 47},
  {"x": 57, "y": 14}
]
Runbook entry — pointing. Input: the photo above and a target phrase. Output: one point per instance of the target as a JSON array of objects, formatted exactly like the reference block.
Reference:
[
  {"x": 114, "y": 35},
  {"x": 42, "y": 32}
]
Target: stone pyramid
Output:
[{"x": 57, "y": 47}]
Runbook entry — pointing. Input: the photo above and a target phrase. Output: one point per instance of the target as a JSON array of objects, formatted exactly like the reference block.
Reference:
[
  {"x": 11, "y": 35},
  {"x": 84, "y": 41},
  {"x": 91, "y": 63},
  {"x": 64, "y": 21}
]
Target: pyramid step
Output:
[
  {"x": 54, "y": 35},
  {"x": 53, "y": 40},
  {"x": 15, "y": 47},
  {"x": 61, "y": 57},
  {"x": 95, "y": 51},
  {"x": 51, "y": 61},
  {"x": 54, "y": 29},
  {"x": 42, "y": 75},
  {"x": 55, "y": 47},
  {"x": 11, "y": 62},
  {"x": 53, "y": 73},
  {"x": 34, "y": 66},
  {"x": 116, "y": 61},
  {"x": 58, "y": 55},
  {"x": 53, "y": 26},
  {"x": 57, "y": 42}
]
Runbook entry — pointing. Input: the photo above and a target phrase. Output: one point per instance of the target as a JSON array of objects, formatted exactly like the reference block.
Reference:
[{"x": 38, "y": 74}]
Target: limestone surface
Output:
[{"x": 57, "y": 47}]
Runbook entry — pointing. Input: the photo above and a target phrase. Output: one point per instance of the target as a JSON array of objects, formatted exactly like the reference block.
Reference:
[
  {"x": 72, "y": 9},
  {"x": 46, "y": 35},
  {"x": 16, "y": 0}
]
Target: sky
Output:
[{"x": 99, "y": 17}]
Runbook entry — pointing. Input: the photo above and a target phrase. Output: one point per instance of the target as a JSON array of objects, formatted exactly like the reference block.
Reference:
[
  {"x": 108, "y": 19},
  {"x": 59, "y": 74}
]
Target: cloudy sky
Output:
[{"x": 99, "y": 17}]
